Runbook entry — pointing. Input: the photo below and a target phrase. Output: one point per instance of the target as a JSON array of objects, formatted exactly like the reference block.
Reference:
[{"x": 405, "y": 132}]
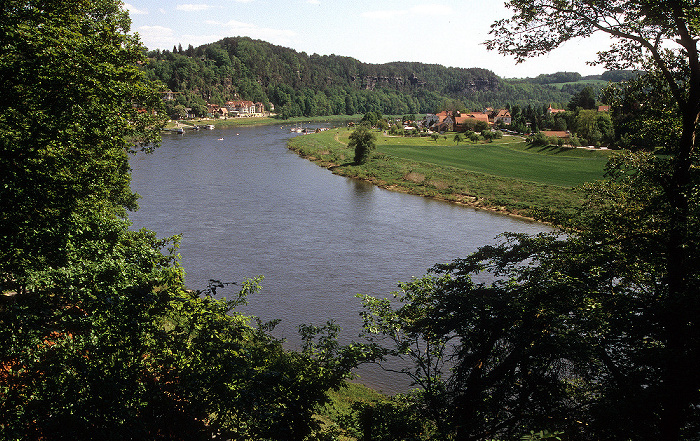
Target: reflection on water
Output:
[{"x": 246, "y": 206}]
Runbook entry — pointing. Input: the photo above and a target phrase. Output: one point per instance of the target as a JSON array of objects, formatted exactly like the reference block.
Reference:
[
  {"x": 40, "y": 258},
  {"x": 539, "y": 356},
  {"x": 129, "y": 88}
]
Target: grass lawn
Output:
[
  {"x": 506, "y": 175},
  {"x": 509, "y": 157}
]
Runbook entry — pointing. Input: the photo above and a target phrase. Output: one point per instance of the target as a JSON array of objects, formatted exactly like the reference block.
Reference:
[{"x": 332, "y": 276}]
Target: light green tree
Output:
[{"x": 73, "y": 103}]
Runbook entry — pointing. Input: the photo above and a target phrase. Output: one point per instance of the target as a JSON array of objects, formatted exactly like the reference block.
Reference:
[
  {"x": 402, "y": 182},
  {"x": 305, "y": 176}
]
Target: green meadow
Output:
[
  {"x": 506, "y": 175},
  {"x": 508, "y": 157}
]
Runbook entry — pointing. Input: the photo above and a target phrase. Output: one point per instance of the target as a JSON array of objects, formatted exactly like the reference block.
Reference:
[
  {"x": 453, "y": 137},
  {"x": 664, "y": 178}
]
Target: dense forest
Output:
[{"x": 298, "y": 84}]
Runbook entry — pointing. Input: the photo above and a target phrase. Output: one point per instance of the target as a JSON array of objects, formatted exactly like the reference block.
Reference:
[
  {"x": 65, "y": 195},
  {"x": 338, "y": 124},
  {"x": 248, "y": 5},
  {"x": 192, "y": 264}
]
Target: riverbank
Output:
[
  {"x": 505, "y": 176},
  {"x": 220, "y": 123}
]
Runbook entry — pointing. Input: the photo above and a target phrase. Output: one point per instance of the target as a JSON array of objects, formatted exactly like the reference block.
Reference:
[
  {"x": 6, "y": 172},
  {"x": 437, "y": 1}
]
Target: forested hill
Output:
[{"x": 298, "y": 84}]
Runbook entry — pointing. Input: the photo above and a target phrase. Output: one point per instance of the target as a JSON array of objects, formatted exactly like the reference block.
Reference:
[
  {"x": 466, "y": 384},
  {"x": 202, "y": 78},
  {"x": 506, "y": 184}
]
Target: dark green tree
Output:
[
  {"x": 99, "y": 339},
  {"x": 592, "y": 329},
  {"x": 362, "y": 141},
  {"x": 371, "y": 118},
  {"x": 585, "y": 99},
  {"x": 73, "y": 103},
  {"x": 659, "y": 38}
]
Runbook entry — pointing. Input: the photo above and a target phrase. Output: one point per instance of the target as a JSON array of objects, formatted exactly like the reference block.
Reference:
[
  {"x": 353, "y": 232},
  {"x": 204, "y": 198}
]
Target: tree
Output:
[
  {"x": 362, "y": 141},
  {"x": 492, "y": 359},
  {"x": 659, "y": 38},
  {"x": 371, "y": 118},
  {"x": 383, "y": 124},
  {"x": 585, "y": 99},
  {"x": 99, "y": 339},
  {"x": 64, "y": 138}
]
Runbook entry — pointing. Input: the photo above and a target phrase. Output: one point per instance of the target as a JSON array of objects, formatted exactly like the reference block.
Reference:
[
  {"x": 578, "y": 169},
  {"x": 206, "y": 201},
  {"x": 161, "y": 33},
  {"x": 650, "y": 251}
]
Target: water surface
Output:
[{"x": 247, "y": 206}]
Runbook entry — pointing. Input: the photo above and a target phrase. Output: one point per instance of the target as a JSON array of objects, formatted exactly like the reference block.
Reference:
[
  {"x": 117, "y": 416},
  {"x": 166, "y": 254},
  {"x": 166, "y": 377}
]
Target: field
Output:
[
  {"x": 509, "y": 157},
  {"x": 506, "y": 175},
  {"x": 594, "y": 83}
]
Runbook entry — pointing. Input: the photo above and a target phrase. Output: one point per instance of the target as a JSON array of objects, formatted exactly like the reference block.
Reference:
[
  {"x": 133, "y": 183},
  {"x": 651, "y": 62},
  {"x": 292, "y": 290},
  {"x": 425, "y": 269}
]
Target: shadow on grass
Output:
[{"x": 552, "y": 149}]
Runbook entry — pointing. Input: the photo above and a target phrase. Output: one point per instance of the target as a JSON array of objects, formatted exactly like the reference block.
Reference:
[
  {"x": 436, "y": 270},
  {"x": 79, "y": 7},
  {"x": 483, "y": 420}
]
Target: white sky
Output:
[{"x": 446, "y": 32}]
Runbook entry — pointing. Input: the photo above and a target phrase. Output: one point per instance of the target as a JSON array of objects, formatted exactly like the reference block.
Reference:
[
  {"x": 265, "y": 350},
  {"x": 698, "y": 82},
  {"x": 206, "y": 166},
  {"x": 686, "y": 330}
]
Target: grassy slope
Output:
[{"x": 505, "y": 175}]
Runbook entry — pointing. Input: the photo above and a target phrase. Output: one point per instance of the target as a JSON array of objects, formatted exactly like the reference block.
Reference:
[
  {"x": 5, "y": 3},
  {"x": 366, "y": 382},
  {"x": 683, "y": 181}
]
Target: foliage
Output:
[
  {"x": 64, "y": 139},
  {"x": 592, "y": 329},
  {"x": 538, "y": 140},
  {"x": 98, "y": 337},
  {"x": 371, "y": 118},
  {"x": 558, "y": 77},
  {"x": 594, "y": 126},
  {"x": 362, "y": 142},
  {"x": 390, "y": 420},
  {"x": 585, "y": 99},
  {"x": 549, "y": 330}
]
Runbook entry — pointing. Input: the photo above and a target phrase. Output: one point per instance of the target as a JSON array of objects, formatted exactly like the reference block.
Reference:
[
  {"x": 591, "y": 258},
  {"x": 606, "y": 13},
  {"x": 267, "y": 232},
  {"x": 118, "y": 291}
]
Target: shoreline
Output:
[
  {"x": 457, "y": 198},
  {"x": 259, "y": 121},
  {"x": 524, "y": 200}
]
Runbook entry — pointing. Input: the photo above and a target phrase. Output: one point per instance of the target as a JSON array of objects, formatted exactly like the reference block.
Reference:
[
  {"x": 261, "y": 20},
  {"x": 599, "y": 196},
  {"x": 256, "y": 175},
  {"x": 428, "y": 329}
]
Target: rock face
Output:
[
  {"x": 463, "y": 86},
  {"x": 370, "y": 82}
]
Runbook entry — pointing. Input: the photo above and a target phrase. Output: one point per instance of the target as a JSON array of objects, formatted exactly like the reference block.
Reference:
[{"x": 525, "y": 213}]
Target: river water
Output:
[{"x": 245, "y": 206}]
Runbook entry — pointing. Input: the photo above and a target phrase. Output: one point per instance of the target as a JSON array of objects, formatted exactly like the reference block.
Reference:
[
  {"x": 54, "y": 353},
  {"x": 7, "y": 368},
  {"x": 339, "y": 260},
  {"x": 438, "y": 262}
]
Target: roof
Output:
[
  {"x": 239, "y": 103},
  {"x": 503, "y": 113},
  {"x": 557, "y": 133},
  {"x": 477, "y": 116},
  {"x": 551, "y": 110}
]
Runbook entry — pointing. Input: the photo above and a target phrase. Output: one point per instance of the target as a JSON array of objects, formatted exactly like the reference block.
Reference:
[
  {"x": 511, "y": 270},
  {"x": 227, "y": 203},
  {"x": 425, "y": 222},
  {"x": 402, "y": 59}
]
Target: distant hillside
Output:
[{"x": 298, "y": 84}]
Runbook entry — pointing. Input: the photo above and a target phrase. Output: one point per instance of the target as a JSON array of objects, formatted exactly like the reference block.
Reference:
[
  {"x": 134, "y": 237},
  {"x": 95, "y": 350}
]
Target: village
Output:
[{"x": 591, "y": 127}]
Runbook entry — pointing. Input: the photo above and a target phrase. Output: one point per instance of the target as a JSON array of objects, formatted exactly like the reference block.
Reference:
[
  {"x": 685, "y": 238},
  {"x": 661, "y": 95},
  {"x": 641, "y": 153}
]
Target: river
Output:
[{"x": 245, "y": 206}]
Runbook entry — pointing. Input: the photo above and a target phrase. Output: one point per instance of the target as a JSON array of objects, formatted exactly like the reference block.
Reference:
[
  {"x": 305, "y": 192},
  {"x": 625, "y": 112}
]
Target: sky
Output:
[{"x": 446, "y": 32}]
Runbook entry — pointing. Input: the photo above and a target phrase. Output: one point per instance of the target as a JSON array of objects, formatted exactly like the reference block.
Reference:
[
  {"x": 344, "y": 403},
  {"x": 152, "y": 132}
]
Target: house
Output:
[
  {"x": 430, "y": 119},
  {"x": 503, "y": 115},
  {"x": 469, "y": 120},
  {"x": 213, "y": 108},
  {"x": 168, "y": 95},
  {"x": 259, "y": 108},
  {"x": 241, "y": 108},
  {"x": 447, "y": 121},
  {"x": 603, "y": 108}
]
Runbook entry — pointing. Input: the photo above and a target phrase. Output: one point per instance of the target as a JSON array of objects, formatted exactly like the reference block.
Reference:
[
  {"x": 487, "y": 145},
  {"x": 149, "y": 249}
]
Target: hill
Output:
[{"x": 298, "y": 84}]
